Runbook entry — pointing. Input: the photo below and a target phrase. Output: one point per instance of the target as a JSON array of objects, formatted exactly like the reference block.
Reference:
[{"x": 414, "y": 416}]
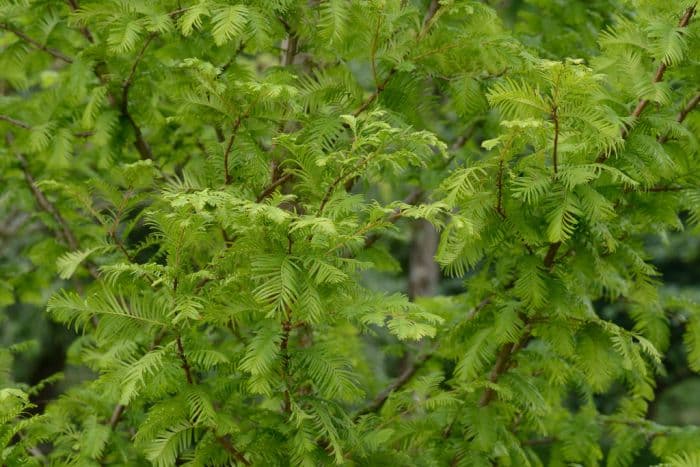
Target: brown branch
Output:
[
  {"x": 116, "y": 415},
  {"x": 36, "y": 44},
  {"x": 230, "y": 448},
  {"x": 183, "y": 359},
  {"x": 84, "y": 30},
  {"x": 381, "y": 398},
  {"x": 539, "y": 441},
  {"x": 27, "y": 126},
  {"x": 658, "y": 77},
  {"x": 48, "y": 206},
  {"x": 291, "y": 43},
  {"x": 555, "y": 148},
  {"x": 284, "y": 351},
  {"x": 271, "y": 188},
  {"x": 380, "y": 86},
  {"x": 373, "y": 53},
  {"x": 502, "y": 364},
  {"x": 232, "y": 138},
  {"x": 406, "y": 376},
  {"x": 688, "y": 108},
  {"x": 120, "y": 408},
  {"x": 141, "y": 144},
  {"x": 551, "y": 255},
  {"x": 15, "y": 122},
  {"x": 499, "y": 186},
  {"x": 508, "y": 350},
  {"x": 683, "y": 114},
  {"x": 498, "y": 369},
  {"x": 412, "y": 198}
]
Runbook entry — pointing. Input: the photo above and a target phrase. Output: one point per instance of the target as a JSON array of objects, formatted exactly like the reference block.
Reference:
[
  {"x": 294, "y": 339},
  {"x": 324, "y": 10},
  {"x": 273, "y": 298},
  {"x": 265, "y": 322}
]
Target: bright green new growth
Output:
[{"x": 215, "y": 177}]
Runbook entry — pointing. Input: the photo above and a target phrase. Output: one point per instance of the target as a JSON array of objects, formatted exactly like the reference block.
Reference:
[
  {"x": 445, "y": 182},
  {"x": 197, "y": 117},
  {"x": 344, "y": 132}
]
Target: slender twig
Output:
[
  {"x": 113, "y": 230},
  {"x": 141, "y": 144},
  {"x": 413, "y": 197},
  {"x": 27, "y": 126},
  {"x": 406, "y": 376},
  {"x": 15, "y": 122},
  {"x": 120, "y": 408},
  {"x": 183, "y": 360},
  {"x": 551, "y": 254},
  {"x": 373, "y": 52},
  {"x": 509, "y": 349},
  {"x": 658, "y": 77},
  {"x": 83, "y": 30},
  {"x": 36, "y": 44},
  {"x": 228, "y": 446},
  {"x": 660, "y": 71},
  {"x": 555, "y": 146},
  {"x": 539, "y": 441},
  {"x": 284, "y": 351},
  {"x": 500, "y": 366},
  {"x": 290, "y": 44},
  {"x": 381, "y": 85},
  {"x": 682, "y": 115},
  {"x": 688, "y": 108},
  {"x": 116, "y": 415},
  {"x": 48, "y": 206},
  {"x": 503, "y": 362},
  {"x": 232, "y": 139},
  {"x": 271, "y": 188},
  {"x": 499, "y": 185}
]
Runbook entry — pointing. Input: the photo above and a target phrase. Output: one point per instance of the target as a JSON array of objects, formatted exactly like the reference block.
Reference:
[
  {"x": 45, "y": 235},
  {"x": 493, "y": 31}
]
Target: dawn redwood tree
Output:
[{"x": 203, "y": 186}]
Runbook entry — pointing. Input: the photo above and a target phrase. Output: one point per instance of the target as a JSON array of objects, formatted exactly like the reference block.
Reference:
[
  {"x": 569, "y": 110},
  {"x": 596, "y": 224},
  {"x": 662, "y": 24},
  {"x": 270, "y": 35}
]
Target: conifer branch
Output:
[
  {"x": 231, "y": 449},
  {"x": 119, "y": 409},
  {"x": 74, "y": 6},
  {"x": 232, "y": 139},
  {"x": 45, "y": 205},
  {"x": 141, "y": 145},
  {"x": 373, "y": 52},
  {"x": 380, "y": 86},
  {"x": 413, "y": 197},
  {"x": 683, "y": 114},
  {"x": 503, "y": 363},
  {"x": 660, "y": 71},
  {"x": 406, "y": 376},
  {"x": 508, "y": 350},
  {"x": 116, "y": 415},
  {"x": 222, "y": 440},
  {"x": 290, "y": 44},
  {"x": 551, "y": 255},
  {"x": 26, "y": 126},
  {"x": 15, "y": 122},
  {"x": 284, "y": 351},
  {"x": 183, "y": 360},
  {"x": 271, "y": 188},
  {"x": 36, "y": 44},
  {"x": 555, "y": 146},
  {"x": 688, "y": 108},
  {"x": 499, "y": 187},
  {"x": 658, "y": 77}
]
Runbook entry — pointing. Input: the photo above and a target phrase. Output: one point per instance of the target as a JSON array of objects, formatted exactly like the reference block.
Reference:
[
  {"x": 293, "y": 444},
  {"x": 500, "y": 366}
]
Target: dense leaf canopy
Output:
[{"x": 204, "y": 192}]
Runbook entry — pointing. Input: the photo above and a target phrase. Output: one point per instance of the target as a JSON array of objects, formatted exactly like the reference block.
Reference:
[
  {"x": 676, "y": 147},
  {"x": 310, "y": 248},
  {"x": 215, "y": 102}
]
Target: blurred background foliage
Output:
[{"x": 555, "y": 28}]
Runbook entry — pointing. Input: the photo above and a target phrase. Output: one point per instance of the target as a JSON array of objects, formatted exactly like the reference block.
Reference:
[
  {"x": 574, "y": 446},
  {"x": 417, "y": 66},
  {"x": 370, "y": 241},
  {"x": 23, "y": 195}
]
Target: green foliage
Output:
[{"x": 205, "y": 189}]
